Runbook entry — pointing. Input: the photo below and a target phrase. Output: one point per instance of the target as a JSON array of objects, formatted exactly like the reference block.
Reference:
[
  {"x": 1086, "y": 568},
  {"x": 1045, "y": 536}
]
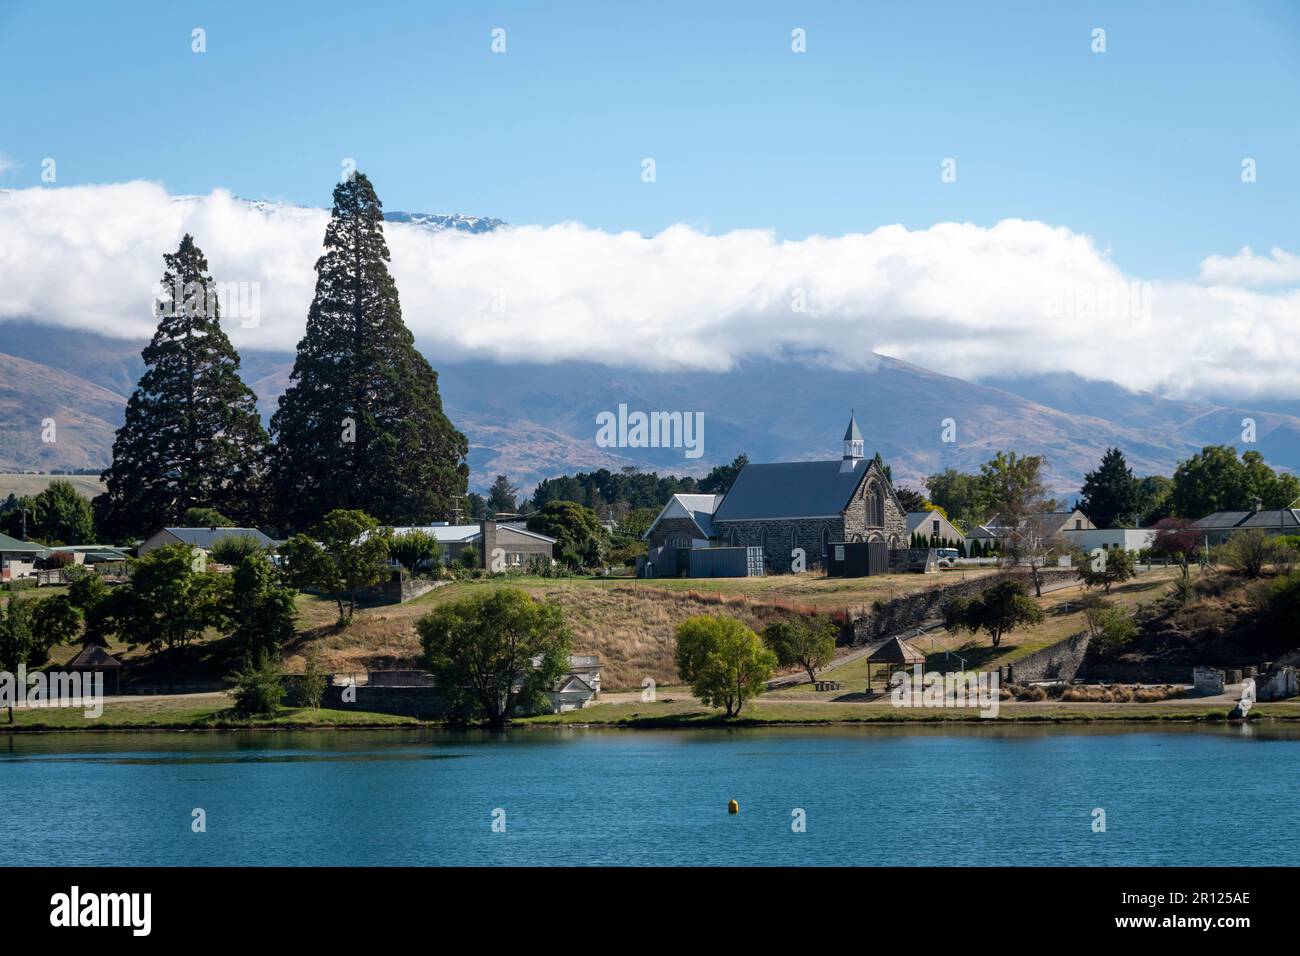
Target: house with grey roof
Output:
[
  {"x": 1218, "y": 527},
  {"x": 18, "y": 558},
  {"x": 200, "y": 541},
  {"x": 501, "y": 546},
  {"x": 784, "y": 507}
]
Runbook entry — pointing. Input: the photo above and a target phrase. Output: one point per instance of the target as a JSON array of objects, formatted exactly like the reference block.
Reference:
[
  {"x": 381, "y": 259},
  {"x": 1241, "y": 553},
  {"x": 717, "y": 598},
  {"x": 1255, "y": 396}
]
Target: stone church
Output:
[{"x": 787, "y": 505}]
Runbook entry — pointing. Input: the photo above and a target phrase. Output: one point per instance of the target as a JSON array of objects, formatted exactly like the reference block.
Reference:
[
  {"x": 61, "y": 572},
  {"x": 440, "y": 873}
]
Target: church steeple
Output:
[{"x": 852, "y": 445}]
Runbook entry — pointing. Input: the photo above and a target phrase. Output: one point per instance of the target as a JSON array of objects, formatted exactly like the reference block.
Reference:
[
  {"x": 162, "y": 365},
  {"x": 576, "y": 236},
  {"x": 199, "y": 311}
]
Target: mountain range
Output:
[{"x": 532, "y": 421}]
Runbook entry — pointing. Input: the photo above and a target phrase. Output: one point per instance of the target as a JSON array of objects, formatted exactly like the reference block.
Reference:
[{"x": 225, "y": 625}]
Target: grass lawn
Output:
[{"x": 189, "y": 712}]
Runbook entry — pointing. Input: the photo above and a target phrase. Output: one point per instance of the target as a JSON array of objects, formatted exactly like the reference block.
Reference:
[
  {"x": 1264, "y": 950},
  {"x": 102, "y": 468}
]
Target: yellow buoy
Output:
[{"x": 733, "y": 807}]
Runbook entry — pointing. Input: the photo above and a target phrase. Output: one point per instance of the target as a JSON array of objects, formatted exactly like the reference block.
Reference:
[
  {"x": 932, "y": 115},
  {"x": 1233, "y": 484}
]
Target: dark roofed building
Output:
[
  {"x": 92, "y": 659},
  {"x": 201, "y": 538},
  {"x": 783, "y": 506},
  {"x": 1221, "y": 525}
]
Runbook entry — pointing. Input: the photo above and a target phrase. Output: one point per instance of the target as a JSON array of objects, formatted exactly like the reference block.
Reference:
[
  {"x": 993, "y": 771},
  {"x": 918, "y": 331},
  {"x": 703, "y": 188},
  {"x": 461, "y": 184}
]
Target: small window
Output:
[
  {"x": 1078, "y": 524},
  {"x": 839, "y": 552}
]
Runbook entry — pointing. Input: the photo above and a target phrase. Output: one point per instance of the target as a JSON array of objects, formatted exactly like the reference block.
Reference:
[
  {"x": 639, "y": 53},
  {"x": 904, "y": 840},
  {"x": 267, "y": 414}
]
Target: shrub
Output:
[
  {"x": 231, "y": 549},
  {"x": 312, "y": 688},
  {"x": 258, "y": 688}
]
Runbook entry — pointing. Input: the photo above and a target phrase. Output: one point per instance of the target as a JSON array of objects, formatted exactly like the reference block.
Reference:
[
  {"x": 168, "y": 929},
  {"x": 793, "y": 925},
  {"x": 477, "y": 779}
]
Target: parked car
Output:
[{"x": 947, "y": 557}]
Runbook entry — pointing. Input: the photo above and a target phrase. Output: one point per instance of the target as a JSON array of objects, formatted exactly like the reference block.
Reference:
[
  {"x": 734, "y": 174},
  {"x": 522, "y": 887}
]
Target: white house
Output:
[
  {"x": 933, "y": 526},
  {"x": 1109, "y": 539}
]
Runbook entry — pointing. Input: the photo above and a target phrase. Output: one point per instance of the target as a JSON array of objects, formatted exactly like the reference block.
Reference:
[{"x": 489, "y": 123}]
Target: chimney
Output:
[
  {"x": 1257, "y": 504},
  {"x": 488, "y": 531}
]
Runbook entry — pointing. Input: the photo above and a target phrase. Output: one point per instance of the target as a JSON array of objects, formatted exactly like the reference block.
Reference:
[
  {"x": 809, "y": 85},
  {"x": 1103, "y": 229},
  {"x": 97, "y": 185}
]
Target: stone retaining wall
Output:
[
  {"x": 913, "y": 610},
  {"x": 1060, "y": 661}
]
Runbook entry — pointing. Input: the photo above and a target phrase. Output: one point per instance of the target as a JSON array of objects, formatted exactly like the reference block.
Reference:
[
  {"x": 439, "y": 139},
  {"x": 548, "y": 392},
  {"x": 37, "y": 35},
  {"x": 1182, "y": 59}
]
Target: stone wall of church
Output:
[
  {"x": 779, "y": 538},
  {"x": 672, "y": 527},
  {"x": 856, "y": 526}
]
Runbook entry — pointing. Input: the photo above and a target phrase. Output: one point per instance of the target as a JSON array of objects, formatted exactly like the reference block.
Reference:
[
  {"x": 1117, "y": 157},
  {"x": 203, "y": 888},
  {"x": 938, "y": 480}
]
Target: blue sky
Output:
[{"x": 1139, "y": 147}]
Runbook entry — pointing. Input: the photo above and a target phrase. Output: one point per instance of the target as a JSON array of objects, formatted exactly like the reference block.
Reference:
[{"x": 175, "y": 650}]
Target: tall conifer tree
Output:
[
  {"x": 1109, "y": 496},
  {"x": 361, "y": 424},
  {"x": 192, "y": 436}
]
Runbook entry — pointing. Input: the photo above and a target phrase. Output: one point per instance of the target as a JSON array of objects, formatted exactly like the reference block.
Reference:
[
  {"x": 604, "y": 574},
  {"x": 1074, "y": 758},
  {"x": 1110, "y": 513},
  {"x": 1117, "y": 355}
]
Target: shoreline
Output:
[{"x": 670, "y": 722}]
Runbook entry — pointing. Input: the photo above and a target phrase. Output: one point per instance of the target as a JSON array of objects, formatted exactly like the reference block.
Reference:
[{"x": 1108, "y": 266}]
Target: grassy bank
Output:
[
  {"x": 191, "y": 712},
  {"x": 212, "y": 712}
]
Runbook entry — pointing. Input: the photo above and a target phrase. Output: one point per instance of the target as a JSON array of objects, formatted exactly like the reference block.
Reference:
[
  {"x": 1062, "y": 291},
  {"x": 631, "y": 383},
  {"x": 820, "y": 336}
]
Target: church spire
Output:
[{"x": 852, "y": 445}]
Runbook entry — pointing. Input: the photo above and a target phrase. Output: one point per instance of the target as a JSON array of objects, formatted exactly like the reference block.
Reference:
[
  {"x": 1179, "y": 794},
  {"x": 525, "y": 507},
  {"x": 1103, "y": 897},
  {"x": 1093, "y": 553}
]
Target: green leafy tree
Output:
[
  {"x": 205, "y": 518},
  {"x": 1211, "y": 480},
  {"x": 257, "y": 686},
  {"x": 352, "y": 554},
  {"x": 88, "y": 593},
  {"x": 638, "y": 522},
  {"x": 17, "y": 638},
  {"x": 806, "y": 642},
  {"x": 1108, "y": 568},
  {"x": 55, "y": 620},
  {"x": 910, "y": 500},
  {"x": 315, "y": 678},
  {"x": 580, "y": 539},
  {"x": 999, "y": 608},
  {"x": 1273, "y": 489},
  {"x": 1112, "y": 628},
  {"x": 262, "y": 607},
  {"x": 725, "y": 662},
  {"x": 166, "y": 605},
  {"x": 231, "y": 549},
  {"x": 62, "y": 516},
  {"x": 414, "y": 550},
  {"x": 192, "y": 436},
  {"x": 1249, "y": 552},
  {"x": 361, "y": 426},
  {"x": 960, "y": 495},
  {"x": 1215, "y": 479},
  {"x": 1109, "y": 496},
  {"x": 470, "y": 558},
  {"x": 492, "y": 651},
  {"x": 1152, "y": 496}
]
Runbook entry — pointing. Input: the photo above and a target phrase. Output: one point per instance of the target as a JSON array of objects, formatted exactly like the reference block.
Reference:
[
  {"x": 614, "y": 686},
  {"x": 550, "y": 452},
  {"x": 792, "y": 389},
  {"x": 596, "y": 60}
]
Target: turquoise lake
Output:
[{"x": 871, "y": 796}]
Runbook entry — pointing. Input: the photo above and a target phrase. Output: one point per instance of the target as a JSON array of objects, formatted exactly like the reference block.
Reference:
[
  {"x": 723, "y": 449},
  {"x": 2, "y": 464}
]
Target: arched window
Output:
[
  {"x": 826, "y": 540},
  {"x": 794, "y": 538},
  {"x": 875, "y": 506},
  {"x": 762, "y": 538}
]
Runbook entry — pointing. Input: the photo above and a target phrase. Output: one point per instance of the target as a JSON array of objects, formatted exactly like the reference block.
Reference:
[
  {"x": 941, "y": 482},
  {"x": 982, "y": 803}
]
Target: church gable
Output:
[{"x": 874, "y": 512}]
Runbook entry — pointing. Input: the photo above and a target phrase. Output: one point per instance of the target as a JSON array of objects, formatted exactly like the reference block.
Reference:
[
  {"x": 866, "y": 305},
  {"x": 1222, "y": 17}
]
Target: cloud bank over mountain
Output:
[{"x": 1020, "y": 297}]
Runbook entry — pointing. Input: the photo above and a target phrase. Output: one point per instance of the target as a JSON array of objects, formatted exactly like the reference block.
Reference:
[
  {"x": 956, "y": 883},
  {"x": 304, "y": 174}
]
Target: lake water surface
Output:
[{"x": 950, "y": 795}]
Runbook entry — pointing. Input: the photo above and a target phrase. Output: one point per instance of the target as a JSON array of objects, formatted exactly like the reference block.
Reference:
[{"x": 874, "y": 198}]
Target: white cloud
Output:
[
  {"x": 6, "y": 164},
  {"x": 1248, "y": 269},
  {"x": 1019, "y": 297}
]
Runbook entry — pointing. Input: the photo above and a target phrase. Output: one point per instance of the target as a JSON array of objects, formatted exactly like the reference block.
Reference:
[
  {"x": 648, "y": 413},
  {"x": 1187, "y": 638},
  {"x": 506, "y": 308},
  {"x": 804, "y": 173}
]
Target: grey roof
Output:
[
  {"x": 797, "y": 489},
  {"x": 896, "y": 651},
  {"x": 92, "y": 656},
  {"x": 1286, "y": 518},
  {"x": 851, "y": 433},
  {"x": 27, "y": 547},
  {"x": 205, "y": 538}
]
